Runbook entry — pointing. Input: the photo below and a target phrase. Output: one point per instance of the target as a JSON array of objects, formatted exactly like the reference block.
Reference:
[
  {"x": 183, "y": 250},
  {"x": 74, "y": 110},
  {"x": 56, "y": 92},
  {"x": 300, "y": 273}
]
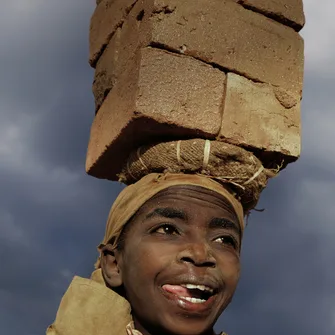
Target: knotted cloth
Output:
[
  {"x": 229, "y": 164},
  {"x": 88, "y": 306}
]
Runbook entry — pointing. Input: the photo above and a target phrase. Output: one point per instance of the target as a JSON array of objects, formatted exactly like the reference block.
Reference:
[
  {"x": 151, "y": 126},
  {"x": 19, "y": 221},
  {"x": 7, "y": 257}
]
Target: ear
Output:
[{"x": 110, "y": 267}]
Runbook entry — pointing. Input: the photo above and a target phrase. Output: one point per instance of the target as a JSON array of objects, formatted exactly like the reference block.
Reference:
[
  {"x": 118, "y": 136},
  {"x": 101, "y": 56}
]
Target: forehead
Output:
[{"x": 190, "y": 197}]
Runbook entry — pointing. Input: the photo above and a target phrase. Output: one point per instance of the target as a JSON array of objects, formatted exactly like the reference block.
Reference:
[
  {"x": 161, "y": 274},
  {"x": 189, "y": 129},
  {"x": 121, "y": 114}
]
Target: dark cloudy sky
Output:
[{"x": 52, "y": 215}]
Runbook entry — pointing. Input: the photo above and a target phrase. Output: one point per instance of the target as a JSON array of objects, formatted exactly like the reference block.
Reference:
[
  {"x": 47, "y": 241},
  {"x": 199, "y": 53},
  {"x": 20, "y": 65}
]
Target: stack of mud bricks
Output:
[{"x": 230, "y": 70}]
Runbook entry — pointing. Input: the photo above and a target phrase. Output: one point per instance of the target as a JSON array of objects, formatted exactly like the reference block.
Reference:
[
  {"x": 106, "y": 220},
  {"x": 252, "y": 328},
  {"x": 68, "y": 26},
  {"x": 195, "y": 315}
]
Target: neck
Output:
[{"x": 156, "y": 331}]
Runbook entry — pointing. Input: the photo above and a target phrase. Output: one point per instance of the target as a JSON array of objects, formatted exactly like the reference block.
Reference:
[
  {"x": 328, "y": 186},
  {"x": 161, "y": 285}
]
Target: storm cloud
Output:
[{"x": 52, "y": 215}]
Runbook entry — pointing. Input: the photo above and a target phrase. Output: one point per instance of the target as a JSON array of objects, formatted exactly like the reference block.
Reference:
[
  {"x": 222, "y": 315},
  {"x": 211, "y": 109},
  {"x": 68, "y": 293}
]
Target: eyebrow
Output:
[
  {"x": 173, "y": 213},
  {"x": 224, "y": 223},
  {"x": 168, "y": 212}
]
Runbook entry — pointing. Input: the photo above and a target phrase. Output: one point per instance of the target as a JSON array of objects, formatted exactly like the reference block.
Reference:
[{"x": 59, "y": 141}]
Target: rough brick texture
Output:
[
  {"x": 258, "y": 116},
  {"x": 222, "y": 33},
  {"x": 107, "y": 70},
  {"x": 161, "y": 70},
  {"x": 288, "y": 12},
  {"x": 239, "y": 40},
  {"x": 108, "y": 15},
  {"x": 119, "y": 55},
  {"x": 163, "y": 95}
]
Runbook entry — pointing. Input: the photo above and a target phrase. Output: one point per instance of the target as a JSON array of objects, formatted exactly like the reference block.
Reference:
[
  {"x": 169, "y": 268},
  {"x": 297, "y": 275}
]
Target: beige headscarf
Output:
[{"x": 88, "y": 306}]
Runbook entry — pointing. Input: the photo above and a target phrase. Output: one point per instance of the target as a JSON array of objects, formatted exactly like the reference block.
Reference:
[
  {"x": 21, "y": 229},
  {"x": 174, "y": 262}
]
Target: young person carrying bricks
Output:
[
  {"x": 224, "y": 78},
  {"x": 170, "y": 259}
]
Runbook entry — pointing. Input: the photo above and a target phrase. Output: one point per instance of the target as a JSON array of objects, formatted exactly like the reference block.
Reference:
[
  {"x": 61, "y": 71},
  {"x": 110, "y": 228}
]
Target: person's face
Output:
[{"x": 180, "y": 263}]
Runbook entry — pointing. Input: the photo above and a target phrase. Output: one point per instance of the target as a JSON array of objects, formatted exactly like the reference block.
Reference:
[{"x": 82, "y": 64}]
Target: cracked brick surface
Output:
[
  {"x": 164, "y": 95},
  {"x": 108, "y": 16},
  {"x": 235, "y": 39},
  {"x": 254, "y": 117},
  {"x": 287, "y": 12},
  {"x": 168, "y": 69}
]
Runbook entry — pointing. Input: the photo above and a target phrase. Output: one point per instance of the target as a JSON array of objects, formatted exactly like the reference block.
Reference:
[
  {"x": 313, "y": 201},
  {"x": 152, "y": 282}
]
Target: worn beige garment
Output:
[
  {"x": 89, "y": 307},
  {"x": 131, "y": 329}
]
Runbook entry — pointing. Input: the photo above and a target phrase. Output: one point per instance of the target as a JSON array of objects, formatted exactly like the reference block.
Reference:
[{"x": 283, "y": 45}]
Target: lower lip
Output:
[{"x": 188, "y": 305}]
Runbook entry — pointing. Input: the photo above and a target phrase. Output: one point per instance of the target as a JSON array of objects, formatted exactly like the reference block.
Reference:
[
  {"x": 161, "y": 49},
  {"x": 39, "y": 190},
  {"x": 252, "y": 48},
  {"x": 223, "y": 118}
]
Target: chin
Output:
[{"x": 187, "y": 327}]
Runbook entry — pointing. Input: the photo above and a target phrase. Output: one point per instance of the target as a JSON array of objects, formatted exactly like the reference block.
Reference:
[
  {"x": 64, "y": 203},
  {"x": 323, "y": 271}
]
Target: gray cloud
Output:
[{"x": 52, "y": 215}]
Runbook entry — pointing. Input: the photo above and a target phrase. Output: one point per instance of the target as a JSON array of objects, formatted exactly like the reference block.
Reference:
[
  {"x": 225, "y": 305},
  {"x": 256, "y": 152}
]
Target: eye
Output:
[
  {"x": 227, "y": 240},
  {"x": 166, "y": 229}
]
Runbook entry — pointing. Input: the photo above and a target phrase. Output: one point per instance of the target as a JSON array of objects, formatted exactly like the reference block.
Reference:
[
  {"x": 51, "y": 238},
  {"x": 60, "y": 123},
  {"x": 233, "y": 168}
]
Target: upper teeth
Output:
[{"x": 199, "y": 287}]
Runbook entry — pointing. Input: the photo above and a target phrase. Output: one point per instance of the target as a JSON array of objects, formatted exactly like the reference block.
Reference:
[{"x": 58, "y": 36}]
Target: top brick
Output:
[
  {"x": 288, "y": 12},
  {"x": 225, "y": 34}
]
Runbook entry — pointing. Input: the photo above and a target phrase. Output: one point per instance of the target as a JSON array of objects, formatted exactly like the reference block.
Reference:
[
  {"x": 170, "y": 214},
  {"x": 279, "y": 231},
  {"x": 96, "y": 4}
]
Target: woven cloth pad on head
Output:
[{"x": 226, "y": 163}]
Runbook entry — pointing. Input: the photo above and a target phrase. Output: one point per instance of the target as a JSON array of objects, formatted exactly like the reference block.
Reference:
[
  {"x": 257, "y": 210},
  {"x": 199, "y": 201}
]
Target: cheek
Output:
[
  {"x": 230, "y": 268},
  {"x": 142, "y": 264}
]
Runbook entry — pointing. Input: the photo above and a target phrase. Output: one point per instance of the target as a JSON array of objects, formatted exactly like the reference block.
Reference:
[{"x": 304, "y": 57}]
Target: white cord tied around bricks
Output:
[
  {"x": 207, "y": 151},
  {"x": 260, "y": 170},
  {"x": 138, "y": 153},
  {"x": 178, "y": 152},
  {"x": 129, "y": 171}
]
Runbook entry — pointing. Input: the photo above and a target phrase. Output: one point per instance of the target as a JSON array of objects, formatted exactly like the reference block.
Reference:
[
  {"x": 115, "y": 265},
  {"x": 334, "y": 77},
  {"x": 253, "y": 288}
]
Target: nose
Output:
[{"x": 197, "y": 253}]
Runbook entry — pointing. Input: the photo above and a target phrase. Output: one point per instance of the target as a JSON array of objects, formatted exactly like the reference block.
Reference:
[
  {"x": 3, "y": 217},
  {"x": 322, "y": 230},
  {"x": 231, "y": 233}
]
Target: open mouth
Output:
[{"x": 192, "y": 293}]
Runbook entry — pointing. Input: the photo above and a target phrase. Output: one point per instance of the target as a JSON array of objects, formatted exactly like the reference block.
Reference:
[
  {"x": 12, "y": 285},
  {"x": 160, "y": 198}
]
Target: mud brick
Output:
[
  {"x": 119, "y": 54},
  {"x": 260, "y": 116},
  {"x": 161, "y": 95},
  {"x": 227, "y": 35},
  {"x": 108, "y": 16},
  {"x": 107, "y": 70},
  {"x": 224, "y": 34},
  {"x": 160, "y": 75},
  {"x": 288, "y": 12}
]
